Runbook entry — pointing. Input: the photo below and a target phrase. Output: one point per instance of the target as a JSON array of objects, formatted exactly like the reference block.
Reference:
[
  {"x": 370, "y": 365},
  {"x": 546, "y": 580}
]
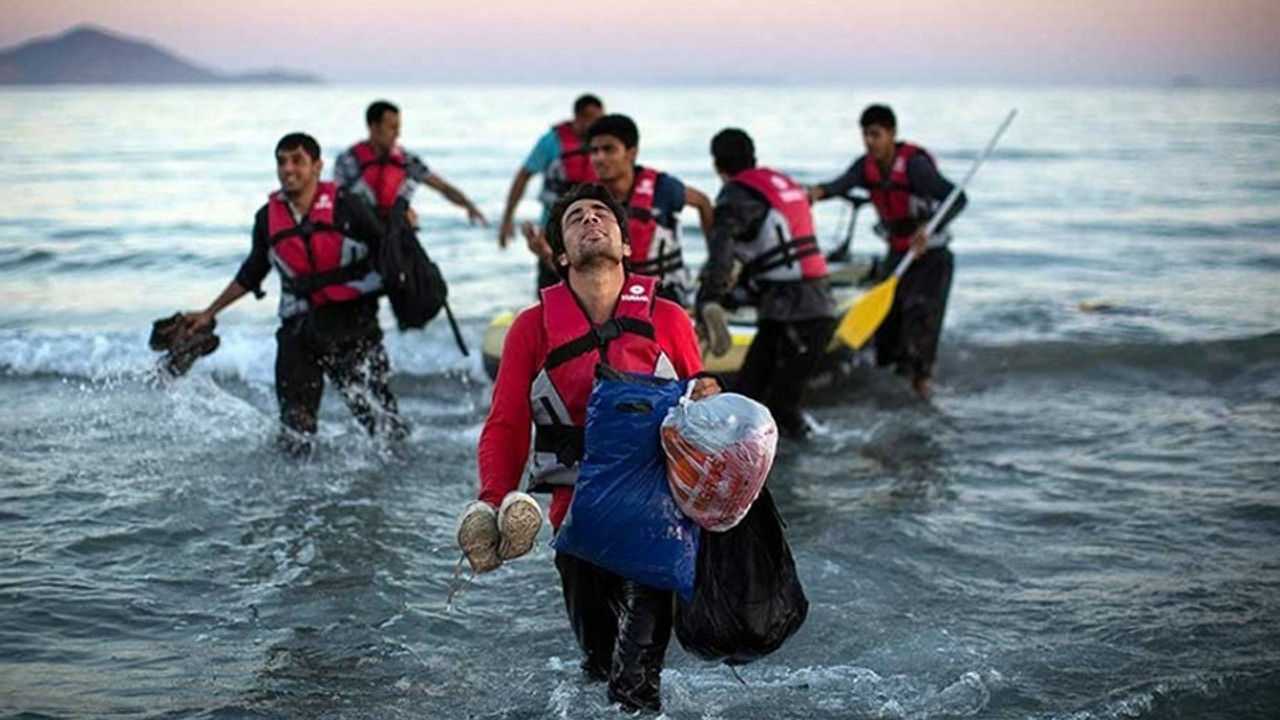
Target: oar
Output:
[{"x": 860, "y": 322}]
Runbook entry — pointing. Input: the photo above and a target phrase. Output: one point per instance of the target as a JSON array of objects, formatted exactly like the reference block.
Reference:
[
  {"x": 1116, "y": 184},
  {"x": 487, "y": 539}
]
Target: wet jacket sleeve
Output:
[
  {"x": 926, "y": 181},
  {"x": 505, "y": 439},
  {"x": 738, "y": 215},
  {"x": 675, "y": 335},
  {"x": 415, "y": 168},
  {"x": 346, "y": 169},
  {"x": 854, "y": 177},
  {"x": 254, "y": 269}
]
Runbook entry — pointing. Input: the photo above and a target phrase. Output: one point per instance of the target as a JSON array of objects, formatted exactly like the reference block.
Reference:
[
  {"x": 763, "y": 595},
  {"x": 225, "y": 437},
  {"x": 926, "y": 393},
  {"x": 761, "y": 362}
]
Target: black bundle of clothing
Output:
[{"x": 181, "y": 349}]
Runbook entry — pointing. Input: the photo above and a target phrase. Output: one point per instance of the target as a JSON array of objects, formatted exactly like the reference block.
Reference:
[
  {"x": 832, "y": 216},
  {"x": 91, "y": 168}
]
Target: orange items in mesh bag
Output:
[{"x": 719, "y": 451}]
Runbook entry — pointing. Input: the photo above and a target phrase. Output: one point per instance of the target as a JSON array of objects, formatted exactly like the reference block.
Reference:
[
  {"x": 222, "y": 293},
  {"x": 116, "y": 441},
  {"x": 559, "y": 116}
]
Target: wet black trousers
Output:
[
  {"x": 622, "y": 627},
  {"x": 344, "y": 343},
  {"x": 781, "y": 360},
  {"x": 908, "y": 337}
]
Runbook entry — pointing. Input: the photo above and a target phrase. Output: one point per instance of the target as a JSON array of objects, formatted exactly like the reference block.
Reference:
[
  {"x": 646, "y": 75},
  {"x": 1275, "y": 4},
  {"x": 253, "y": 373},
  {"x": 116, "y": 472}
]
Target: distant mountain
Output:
[{"x": 89, "y": 55}]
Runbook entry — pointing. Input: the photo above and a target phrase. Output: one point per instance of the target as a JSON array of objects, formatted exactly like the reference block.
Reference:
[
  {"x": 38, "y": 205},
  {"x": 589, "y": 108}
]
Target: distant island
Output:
[{"x": 88, "y": 55}]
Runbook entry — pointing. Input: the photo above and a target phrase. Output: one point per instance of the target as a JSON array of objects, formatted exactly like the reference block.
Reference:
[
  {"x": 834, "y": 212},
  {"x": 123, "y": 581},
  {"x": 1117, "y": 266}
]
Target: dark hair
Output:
[
  {"x": 619, "y": 126},
  {"x": 878, "y": 115},
  {"x": 296, "y": 140},
  {"x": 586, "y": 101},
  {"x": 377, "y": 109},
  {"x": 581, "y": 191},
  {"x": 733, "y": 151}
]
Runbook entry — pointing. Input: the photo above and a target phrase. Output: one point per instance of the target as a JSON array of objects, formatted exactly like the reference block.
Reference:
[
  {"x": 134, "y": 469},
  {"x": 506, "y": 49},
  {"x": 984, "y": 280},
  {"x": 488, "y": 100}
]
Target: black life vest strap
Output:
[
  {"x": 566, "y": 442},
  {"x": 787, "y": 253},
  {"x": 311, "y": 282},
  {"x": 661, "y": 265},
  {"x": 598, "y": 338},
  {"x": 640, "y": 213},
  {"x": 305, "y": 230}
]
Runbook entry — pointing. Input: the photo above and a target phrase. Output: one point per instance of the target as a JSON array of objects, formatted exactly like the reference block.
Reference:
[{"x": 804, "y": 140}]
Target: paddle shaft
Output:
[
  {"x": 457, "y": 333},
  {"x": 955, "y": 191}
]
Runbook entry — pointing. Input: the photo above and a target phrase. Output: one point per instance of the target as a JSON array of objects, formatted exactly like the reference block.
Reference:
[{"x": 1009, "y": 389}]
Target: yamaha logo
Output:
[
  {"x": 635, "y": 293},
  {"x": 778, "y": 182},
  {"x": 323, "y": 202}
]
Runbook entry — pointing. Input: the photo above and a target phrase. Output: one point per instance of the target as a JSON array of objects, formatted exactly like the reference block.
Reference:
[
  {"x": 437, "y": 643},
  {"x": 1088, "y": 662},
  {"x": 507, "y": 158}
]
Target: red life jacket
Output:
[
  {"x": 664, "y": 260},
  {"x": 785, "y": 249},
  {"x": 893, "y": 199},
  {"x": 573, "y": 167},
  {"x": 384, "y": 174},
  {"x": 574, "y": 156},
  {"x": 317, "y": 263},
  {"x": 560, "y": 390}
]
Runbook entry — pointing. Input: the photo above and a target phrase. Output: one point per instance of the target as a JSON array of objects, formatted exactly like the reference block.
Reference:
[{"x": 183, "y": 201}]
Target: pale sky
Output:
[{"x": 428, "y": 41}]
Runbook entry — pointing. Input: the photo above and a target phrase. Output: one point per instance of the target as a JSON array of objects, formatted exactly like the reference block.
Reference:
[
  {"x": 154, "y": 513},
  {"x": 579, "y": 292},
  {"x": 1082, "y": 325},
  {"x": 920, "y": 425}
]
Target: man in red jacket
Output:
[{"x": 599, "y": 313}]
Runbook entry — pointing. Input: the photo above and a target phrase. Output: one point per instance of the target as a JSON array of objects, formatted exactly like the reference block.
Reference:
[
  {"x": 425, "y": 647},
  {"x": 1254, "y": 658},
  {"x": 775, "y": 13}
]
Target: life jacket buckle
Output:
[{"x": 609, "y": 330}]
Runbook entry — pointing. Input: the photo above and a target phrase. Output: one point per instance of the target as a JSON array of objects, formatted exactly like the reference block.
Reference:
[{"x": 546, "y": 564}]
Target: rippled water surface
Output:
[{"x": 1082, "y": 525}]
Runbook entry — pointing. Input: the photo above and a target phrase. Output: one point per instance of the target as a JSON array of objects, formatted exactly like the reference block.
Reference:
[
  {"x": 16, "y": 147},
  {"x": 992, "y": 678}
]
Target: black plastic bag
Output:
[
  {"x": 747, "y": 599},
  {"x": 413, "y": 283}
]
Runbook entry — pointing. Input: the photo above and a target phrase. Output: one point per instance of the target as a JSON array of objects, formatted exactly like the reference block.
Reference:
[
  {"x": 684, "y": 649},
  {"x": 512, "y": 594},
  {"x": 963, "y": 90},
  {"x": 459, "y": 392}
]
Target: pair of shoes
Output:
[
  {"x": 488, "y": 538},
  {"x": 519, "y": 520}
]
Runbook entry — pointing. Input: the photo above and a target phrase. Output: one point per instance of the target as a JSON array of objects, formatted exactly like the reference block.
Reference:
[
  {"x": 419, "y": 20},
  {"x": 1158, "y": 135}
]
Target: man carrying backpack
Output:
[{"x": 323, "y": 242}]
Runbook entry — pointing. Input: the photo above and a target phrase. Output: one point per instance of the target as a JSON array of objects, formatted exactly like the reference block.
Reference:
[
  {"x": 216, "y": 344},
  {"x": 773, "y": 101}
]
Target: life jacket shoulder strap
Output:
[{"x": 598, "y": 338}]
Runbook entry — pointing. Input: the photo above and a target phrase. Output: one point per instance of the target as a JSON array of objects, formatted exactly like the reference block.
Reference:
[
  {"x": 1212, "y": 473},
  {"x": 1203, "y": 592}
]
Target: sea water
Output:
[{"x": 1083, "y": 524}]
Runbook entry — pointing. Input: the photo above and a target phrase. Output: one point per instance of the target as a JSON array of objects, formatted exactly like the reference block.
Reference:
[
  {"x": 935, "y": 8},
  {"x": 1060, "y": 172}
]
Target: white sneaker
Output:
[
  {"x": 478, "y": 536},
  {"x": 519, "y": 520}
]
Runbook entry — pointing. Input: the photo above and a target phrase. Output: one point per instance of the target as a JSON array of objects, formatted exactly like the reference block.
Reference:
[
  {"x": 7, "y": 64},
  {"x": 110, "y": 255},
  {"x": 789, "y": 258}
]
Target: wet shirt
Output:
[
  {"x": 545, "y": 152},
  {"x": 508, "y": 431},
  {"x": 668, "y": 201},
  {"x": 739, "y": 214}
]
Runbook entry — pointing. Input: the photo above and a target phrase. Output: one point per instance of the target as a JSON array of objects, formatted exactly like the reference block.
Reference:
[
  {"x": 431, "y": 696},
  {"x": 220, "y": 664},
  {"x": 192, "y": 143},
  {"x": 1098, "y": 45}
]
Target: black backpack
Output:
[{"x": 413, "y": 283}]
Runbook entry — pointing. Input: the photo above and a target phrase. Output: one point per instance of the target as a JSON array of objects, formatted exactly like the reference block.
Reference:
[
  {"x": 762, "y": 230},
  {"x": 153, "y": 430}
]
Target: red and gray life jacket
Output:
[
  {"x": 901, "y": 212},
  {"x": 562, "y": 386},
  {"x": 316, "y": 262},
  {"x": 655, "y": 249},
  {"x": 571, "y": 168},
  {"x": 785, "y": 249},
  {"x": 381, "y": 176}
]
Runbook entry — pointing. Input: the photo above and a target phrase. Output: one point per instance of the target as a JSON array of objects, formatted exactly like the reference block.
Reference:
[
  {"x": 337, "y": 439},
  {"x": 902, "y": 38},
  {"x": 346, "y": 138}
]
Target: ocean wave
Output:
[
  {"x": 24, "y": 258},
  {"x": 244, "y": 354},
  {"x": 1168, "y": 230},
  {"x": 1214, "y": 360},
  {"x": 248, "y": 354}
]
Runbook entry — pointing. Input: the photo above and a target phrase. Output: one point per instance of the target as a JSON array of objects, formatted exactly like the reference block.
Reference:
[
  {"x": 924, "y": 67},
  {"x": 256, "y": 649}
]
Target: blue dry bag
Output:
[{"x": 623, "y": 517}]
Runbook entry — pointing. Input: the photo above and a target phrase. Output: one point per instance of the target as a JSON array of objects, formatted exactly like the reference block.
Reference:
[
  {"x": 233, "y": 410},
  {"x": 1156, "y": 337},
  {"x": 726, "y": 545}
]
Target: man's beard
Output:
[{"x": 596, "y": 257}]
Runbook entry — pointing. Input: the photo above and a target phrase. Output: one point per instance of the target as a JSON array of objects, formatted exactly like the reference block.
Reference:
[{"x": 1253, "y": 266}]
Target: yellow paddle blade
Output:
[{"x": 860, "y": 322}]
